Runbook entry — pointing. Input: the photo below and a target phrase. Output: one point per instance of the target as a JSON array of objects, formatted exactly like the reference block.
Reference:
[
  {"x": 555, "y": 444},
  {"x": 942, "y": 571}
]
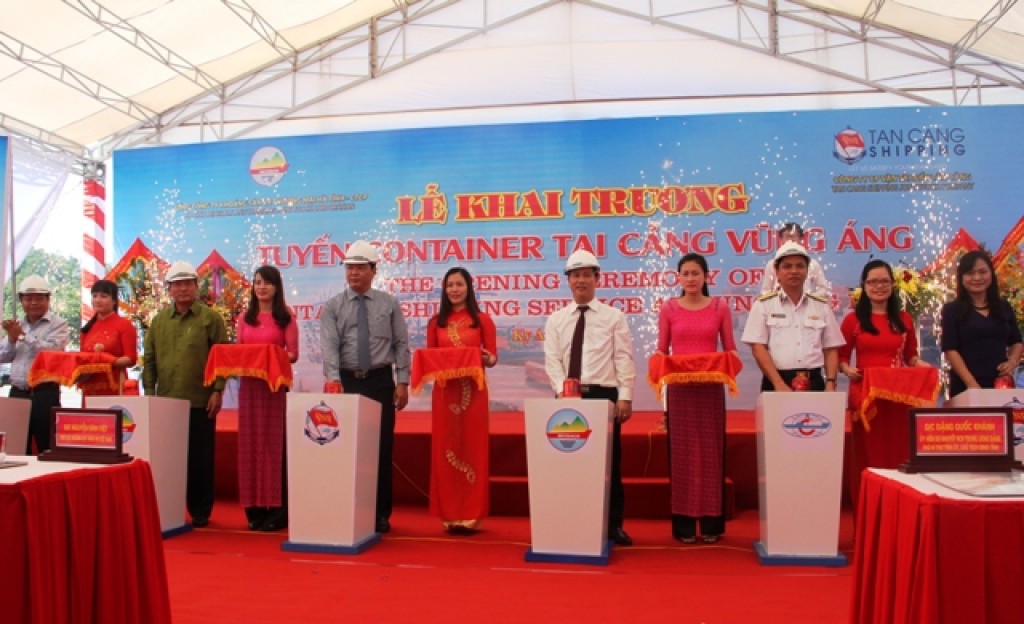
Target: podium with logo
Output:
[
  {"x": 333, "y": 446},
  {"x": 14, "y": 415},
  {"x": 156, "y": 429},
  {"x": 799, "y": 469},
  {"x": 1012, "y": 398},
  {"x": 568, "y": 452}
]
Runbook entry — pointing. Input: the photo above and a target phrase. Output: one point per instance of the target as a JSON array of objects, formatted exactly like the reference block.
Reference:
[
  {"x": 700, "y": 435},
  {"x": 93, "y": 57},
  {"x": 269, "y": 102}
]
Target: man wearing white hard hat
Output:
[
  {"x": 599, "y": 361},
  {"x": 176, "y": 347},
  {"x": 365, "y": 346},
  {"x": 816, "y": 282},
  {"x": 793, "y": 334},
  {"x": 40, "y": 330}
]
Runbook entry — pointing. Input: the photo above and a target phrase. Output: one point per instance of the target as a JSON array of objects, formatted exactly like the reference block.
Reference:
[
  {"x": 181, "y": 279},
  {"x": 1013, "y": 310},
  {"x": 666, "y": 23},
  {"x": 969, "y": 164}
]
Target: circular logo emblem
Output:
[
  {"x": 127, "y": 423},
  {"x": 807, "y": 425},
  {"x": 568, "y": 430},
  {"x": 322, "y": 424},
  {"x": 848, "y": 146},
  {"x": 267, "y": 166}
]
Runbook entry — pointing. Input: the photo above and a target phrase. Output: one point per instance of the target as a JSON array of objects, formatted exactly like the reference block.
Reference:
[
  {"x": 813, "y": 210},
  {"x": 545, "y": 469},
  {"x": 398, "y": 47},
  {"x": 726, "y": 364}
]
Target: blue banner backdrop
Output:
[{"x": 511, "y": 202}]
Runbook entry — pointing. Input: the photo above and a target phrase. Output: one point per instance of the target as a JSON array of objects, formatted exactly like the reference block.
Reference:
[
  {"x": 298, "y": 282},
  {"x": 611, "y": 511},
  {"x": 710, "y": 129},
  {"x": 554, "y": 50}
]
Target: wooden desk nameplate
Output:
[
  {"x": 961, "y": 439},
  {"x": 87, "y": 436}
]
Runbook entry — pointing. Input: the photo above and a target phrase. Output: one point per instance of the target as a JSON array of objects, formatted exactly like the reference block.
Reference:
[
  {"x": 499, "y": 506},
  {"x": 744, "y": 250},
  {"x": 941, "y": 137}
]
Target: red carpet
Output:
[{"x": 225, "y": 574}]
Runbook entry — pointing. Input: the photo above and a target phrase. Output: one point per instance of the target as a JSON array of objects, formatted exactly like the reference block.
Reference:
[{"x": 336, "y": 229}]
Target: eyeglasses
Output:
[{"x": 875, "y": 283}]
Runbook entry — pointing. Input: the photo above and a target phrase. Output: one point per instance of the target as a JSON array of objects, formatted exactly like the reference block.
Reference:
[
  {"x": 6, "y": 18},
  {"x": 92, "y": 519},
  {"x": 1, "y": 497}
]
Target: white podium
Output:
[
  {"x": 799, "y": 472},
  {"x": 156, "y": 430},
  {"x": 568, "y": 452},
  {"x": 990, "y": 397},
  {"x": 333, "y": 446},
  {"x": 14, "y": 415}
]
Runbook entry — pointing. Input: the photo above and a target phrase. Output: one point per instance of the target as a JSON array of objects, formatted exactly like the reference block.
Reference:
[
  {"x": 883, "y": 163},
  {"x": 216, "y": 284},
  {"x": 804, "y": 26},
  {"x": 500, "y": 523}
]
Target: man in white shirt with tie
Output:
[{"x": 604, "y": 363}]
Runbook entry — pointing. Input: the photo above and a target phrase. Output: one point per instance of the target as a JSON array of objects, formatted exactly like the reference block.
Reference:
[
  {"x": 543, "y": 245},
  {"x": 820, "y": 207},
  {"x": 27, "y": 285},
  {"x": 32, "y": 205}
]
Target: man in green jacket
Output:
[{"x": 174, "y": 357}]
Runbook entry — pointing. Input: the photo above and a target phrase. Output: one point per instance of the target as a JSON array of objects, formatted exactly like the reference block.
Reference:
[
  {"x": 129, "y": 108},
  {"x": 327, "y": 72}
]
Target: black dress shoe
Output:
[
  {"x": 199, "y": 522},
  {"x": 620, "y": 537},
  {"x": 275, "y": 520},
  {"x": 256, "y": 517},
  {"x": 383, "y": 526}
]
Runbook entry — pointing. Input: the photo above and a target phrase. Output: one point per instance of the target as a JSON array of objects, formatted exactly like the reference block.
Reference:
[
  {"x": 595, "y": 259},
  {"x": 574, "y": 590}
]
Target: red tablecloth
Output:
[
  {"x": 719, "y": 367},
  {"x": 66, "y": 367},
  {"x": 924, "y": 557},
  {"x": 916, "y": 386},
  {"x": 82, "y": 545},
  {"x": 262, "y": 361},
  {"x": 439, "y": 364}
]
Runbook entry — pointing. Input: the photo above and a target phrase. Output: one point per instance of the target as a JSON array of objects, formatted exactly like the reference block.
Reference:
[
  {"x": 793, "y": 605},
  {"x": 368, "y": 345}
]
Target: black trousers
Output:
[
  {"x": 44, "y": 397},
  {"x": 199, "y": 487},
  {"x": 379, "y": 385},
  {"x": 616, "y": 494},
  {"x": 817, "y": 379}
]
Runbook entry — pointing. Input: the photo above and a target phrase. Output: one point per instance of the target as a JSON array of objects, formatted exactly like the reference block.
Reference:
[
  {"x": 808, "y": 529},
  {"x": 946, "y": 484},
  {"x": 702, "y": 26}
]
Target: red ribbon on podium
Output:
[
  {"x": 67, "y": 368},
  {"x": 916, "y": 386},
  {"x": 261, "y": 361},
  {"x": 718, "y": 367},
  {"x": 439, "y": 364}
]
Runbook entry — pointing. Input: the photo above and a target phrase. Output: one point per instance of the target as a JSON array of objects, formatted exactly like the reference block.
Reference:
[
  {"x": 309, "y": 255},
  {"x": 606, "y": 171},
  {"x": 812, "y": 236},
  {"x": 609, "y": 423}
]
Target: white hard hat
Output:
[
  {"x": 180, "y": 271},
  {"x": 581, "y": 259},
  {"x": 33, "y": 285},
  {"x": 361, "y": 252},
  {"x": 790, "y": 248}
]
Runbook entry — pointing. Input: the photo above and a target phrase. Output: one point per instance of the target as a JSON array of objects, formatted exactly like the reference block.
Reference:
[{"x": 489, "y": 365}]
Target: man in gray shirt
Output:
[
  {"x": 365, "y": 347},
  {"x": 40, "y": 330}
]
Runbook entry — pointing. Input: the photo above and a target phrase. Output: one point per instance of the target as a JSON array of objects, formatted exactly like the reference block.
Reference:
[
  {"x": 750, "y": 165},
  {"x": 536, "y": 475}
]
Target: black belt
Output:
[
  {"x": 369, "y": 374},
  {"x": 593, "y": 388}
]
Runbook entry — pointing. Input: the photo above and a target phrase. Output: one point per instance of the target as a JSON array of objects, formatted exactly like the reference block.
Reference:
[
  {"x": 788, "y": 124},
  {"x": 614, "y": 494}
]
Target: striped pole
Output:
[{"x": 94, "y": 234}]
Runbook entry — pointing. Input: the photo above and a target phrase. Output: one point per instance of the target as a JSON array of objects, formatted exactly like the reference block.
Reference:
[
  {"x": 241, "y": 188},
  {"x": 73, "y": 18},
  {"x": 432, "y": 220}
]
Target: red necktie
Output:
[{"x": 576, "y": 350}]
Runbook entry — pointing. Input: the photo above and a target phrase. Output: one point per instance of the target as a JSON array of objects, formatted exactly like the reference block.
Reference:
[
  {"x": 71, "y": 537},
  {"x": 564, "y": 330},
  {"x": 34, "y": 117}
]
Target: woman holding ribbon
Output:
[
  {"x": 108, "y": 332},
  {"x": 980, "y": 335},
  {"x": 695, "y": 323},
  {"x": 262, "y": 481},
  {"x": 882, "y": 335},
  {"x": 459, "y": 465}
]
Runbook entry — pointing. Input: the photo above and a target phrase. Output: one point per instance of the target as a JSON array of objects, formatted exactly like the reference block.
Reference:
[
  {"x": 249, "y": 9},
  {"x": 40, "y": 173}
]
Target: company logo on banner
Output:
[
  {"x": 322, "y": 424},
  {"x": 930, "y": 141},
  {"x": 127, "y": 423},
  {"x": 807, "y": 425},
  {"x": 268, "y": 166},
  {"x": 568, "y": 430},
  {"x": 848, "y": 146}
]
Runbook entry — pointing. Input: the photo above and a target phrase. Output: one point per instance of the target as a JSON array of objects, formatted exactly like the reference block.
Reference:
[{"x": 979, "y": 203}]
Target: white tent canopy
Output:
[{"x": 91, "y": 76}]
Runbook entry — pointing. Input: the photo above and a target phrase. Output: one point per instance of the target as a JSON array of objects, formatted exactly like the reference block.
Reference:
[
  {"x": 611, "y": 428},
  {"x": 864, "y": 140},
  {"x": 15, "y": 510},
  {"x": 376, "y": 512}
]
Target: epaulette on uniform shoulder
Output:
[
  {"x": 817, "y": 297},
  {"x": 768, "y": 295}
]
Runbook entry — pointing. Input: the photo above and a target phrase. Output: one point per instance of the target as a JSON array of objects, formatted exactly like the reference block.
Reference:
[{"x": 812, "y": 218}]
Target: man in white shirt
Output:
[
  {"x": 815, "y": 283},
  {"x": 605, "y": 364},
  {"x": 793, "y": 333},
  {"x": 40, "y": 330}
]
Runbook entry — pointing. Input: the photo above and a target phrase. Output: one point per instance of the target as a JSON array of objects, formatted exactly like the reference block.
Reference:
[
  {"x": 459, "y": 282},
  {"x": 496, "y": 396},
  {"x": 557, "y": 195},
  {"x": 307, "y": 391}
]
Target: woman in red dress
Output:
[
  {"x": 262, "y": 484},
  {"x": 459, "y": 464},
  {"x": 108, "y": 332},
  {"x": 882, "y": 335}
]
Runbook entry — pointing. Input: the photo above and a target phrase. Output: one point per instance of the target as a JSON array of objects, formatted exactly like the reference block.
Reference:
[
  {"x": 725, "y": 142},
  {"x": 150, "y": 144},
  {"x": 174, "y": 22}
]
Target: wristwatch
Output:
[{"x": 832, "y": 379}]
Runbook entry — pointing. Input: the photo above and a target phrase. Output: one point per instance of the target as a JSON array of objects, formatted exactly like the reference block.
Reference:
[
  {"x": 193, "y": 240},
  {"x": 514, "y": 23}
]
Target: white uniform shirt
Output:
[
  {"x": 815, "y": 283},
  {"x": 795, "y": 333},
  {"x": 607, "y": 348},
  {"x": 49, "y": 333}
]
